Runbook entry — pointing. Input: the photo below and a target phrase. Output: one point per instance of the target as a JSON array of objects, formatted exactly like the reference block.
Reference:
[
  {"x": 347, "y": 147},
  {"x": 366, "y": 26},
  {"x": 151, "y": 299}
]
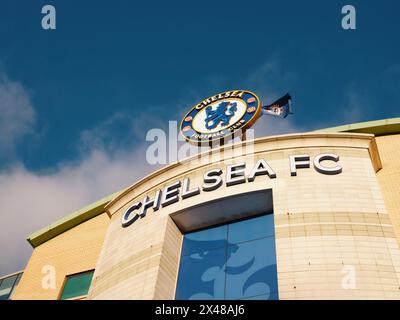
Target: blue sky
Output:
[{"x": 77, "y": 101}]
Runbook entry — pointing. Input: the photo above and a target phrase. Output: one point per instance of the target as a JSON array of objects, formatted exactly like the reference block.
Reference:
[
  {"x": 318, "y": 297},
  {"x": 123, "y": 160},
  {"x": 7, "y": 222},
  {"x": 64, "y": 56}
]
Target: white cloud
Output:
[
  {"x": 271, "y": 80},
  {"x": 31, "y": 201},
  {"x": 355, "y": 109},
  {"x": 17, "y": 115},
  {"x": 269, "y": 125}
]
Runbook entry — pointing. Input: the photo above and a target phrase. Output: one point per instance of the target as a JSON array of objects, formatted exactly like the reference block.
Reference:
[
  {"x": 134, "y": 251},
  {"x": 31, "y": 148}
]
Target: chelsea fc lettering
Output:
[{"x": 213, "y": 179}]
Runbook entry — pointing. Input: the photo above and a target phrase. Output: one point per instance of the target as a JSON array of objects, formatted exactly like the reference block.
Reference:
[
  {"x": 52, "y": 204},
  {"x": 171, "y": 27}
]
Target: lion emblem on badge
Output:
[{"x": 222, "y": 114}]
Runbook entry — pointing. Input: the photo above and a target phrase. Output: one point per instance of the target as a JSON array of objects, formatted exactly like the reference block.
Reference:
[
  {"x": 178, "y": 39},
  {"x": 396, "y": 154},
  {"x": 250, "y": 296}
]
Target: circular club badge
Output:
[{"x": 220, "y": 116}]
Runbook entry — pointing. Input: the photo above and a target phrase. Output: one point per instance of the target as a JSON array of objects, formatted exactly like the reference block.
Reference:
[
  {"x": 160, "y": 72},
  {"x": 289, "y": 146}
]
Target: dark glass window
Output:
[
  {"x": 233, "y": 261},
  {"x": 77, "y": 285},
  {"x": 8, "y": 285}
]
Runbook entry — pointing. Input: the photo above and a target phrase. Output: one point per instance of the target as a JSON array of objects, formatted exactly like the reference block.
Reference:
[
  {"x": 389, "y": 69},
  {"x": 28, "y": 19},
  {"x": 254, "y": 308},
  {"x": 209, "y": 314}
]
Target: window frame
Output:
[
  {"x": 18, "y": 276},
  {"x": 66, "y": 280}
]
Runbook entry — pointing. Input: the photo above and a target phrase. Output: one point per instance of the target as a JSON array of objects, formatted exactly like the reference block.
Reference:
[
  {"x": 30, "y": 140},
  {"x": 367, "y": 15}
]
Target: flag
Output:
[{"x": 280, "y": 108}]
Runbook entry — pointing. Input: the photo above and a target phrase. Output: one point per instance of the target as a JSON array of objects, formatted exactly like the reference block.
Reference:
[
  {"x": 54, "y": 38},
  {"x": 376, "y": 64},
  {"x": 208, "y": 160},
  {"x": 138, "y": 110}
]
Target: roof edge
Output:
[
  {"x": 376, "y": 127},
  {"x": 11, "y": 274},
  {"x": 88, "y": 212}
]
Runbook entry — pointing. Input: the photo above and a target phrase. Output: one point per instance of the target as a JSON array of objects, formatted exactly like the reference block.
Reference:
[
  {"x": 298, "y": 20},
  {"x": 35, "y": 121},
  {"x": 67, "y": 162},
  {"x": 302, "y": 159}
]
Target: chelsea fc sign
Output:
[
  {"x": 232, "y": 175},
  {"x": 220, "y": 116}
]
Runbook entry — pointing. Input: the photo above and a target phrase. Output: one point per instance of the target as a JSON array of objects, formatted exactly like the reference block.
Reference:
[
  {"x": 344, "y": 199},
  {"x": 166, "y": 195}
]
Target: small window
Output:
[
  {"x": 8, "y": 285},
  {"x": 77, "y": 285}
]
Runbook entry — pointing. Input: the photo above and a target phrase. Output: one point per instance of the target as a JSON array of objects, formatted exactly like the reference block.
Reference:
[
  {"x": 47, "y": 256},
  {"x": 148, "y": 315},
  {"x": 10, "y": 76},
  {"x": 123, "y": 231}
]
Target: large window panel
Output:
[
  {"x": 205, "y": 240},
  {"x": 251, "y": 229},
  {"x": 233, "y": 261},
  {"x": 202, "y": 275},
  {"x": 251, "y": 269}
]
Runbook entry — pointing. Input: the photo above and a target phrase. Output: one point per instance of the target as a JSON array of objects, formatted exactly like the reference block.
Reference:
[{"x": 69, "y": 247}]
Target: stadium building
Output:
[{"x": 301, "y": 216}]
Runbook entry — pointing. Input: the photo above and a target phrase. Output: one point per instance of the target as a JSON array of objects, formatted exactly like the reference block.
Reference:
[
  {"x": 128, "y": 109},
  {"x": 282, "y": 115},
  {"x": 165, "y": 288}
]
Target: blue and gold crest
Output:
[{"x": 220, "y": 116}]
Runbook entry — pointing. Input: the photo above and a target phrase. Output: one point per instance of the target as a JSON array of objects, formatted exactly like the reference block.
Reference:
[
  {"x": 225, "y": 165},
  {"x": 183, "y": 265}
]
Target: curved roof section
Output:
[
  {"x": 378, "y": 128},
  {"x": 70, "y": 221}
]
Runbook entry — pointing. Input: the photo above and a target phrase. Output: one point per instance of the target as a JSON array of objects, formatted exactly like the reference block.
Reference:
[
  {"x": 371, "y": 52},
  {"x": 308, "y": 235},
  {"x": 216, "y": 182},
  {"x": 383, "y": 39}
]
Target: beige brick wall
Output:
[
  {"x": 389, "y": 176},
  {"x": 325, "y": 225},
  {"x": 73, "y": 251},
  {"x": 145, "y": 268}
]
